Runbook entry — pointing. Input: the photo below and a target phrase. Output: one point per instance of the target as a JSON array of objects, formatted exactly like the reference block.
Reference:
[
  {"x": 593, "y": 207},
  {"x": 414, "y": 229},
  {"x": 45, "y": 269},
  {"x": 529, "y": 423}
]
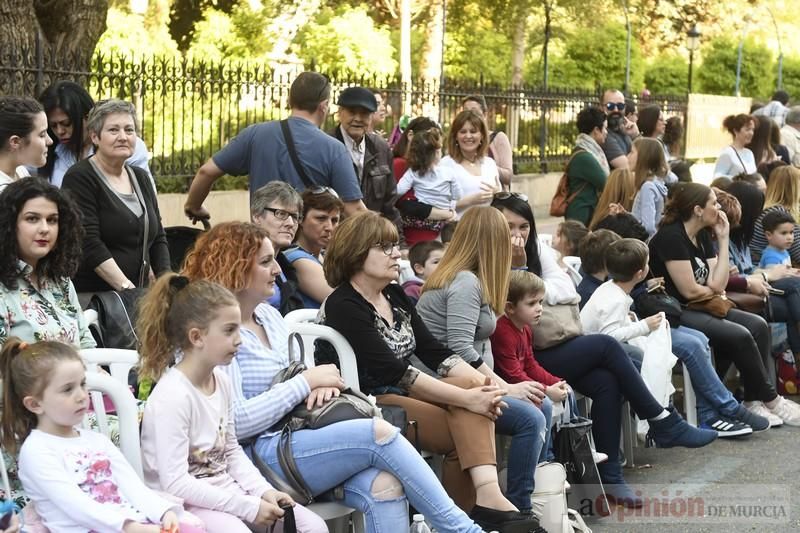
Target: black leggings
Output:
[
  {"x": 597, "y": 367},
  {"x": 742, "y": 338}
]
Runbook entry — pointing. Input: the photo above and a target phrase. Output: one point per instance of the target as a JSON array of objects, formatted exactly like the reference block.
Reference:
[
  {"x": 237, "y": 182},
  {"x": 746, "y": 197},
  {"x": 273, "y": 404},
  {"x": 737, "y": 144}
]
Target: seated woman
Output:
[
  {"x": 278, "y": 208},
  {"x": 384, "y": 329},
  {"x": 459, "y": 304},
  {"x": 23, "y": 137},
  {"x": 594, "y": 365},
  {"x": 682, "y": 253},
  {"x": 322, "y": 210},
  {"x": 378, "y": 468},
  {"x": 42, "y": 246},
  {"x": 67, "y": 105},
  {"x": 125, "y": 244}
]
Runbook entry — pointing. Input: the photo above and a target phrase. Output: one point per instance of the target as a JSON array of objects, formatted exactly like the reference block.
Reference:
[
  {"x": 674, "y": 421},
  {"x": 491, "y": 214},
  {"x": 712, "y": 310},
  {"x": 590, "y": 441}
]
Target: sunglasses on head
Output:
[
  {"x": 505, "y": 195},
  {"x": 620, "y": 106},
  {"x": 323, "y": 190}
]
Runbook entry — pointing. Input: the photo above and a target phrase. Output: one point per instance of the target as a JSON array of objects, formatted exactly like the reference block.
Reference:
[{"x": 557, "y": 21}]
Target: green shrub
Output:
[
  {"x": 667, "y": 74},
  {"x": 717, "y": 74}
]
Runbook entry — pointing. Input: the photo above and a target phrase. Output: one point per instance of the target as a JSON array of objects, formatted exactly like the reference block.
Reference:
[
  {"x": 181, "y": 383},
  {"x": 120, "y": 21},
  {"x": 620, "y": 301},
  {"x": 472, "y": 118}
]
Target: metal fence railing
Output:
[{"x": 189, "y": 109}]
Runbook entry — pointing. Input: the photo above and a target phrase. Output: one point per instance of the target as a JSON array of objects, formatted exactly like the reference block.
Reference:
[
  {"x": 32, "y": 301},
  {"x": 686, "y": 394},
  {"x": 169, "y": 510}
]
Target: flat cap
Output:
[{"x": 358, "y": 97}]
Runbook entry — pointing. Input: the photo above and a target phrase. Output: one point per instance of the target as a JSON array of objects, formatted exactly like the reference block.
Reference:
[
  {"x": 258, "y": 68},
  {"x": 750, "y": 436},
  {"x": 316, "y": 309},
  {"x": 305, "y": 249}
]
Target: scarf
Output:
[{"x": 586, "y": 142}]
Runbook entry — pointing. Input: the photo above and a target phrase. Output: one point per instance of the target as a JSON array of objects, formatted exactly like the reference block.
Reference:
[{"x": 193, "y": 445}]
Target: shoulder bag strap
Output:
[
  {"x": 145, "y": 252},
  {"x": 287, "y": 135},
  {"x": 735, "y": 151}
]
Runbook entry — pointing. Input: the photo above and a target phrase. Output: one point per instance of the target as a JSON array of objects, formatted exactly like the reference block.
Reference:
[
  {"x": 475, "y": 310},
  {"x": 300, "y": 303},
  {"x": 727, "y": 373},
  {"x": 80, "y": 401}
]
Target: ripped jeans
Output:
[{"x": 348, "y": 452}]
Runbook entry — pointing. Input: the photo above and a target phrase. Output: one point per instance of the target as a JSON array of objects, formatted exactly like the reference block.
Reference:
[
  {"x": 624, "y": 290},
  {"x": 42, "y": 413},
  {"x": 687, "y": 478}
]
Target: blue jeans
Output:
[
  {"x": 346, "y": 452},
  {"x": 786, "y": 308},
  {"x": 691, "y": 347},
  {"x": 528, "y": 426}
]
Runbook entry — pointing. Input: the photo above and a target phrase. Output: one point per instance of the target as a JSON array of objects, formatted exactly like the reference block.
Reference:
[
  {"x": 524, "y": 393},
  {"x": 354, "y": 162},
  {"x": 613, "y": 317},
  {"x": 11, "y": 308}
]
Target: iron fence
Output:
[{"x": 189, "y": 108}]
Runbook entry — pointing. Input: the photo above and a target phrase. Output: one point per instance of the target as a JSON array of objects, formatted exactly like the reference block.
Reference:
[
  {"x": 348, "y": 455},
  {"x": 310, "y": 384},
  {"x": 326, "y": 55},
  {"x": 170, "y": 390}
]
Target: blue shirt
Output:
[
  {"x": 296, "y": 253},
  {"x": 260, "y": 151},
  {"x": 648, "y": 205},
  {"x": 586, "y": 287},
  {"x": 772, "y": 256}
]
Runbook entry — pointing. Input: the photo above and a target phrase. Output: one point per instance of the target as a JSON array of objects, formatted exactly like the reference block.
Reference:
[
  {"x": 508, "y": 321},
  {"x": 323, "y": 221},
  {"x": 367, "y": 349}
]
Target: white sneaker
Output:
[
  {"x": 600, "y": 457},
  {"x": 788, "y": 411},
  {"x": 760, "y": 409}
]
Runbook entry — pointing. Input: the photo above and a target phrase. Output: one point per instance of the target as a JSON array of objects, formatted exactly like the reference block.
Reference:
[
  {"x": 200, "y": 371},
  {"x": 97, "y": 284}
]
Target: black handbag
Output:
[
  {"x": 573, "y": 449},
  {"x": 116, "y": 318},
  {"x": 349, "y": 405},
  {"x": 651, "y": 303}
]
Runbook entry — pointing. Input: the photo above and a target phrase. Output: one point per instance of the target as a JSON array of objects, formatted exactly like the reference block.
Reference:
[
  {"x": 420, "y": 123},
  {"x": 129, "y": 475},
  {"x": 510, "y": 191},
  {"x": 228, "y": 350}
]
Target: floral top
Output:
[{"x": 49, "y": 313}]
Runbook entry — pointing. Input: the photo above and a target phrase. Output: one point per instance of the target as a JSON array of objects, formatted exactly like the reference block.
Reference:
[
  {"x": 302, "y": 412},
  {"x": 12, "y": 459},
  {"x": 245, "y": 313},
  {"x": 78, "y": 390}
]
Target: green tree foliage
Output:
[
  {"x": 791, "y": 78},
  {"x": 474, "y": 47},
  {"x": 717, "y": 74},
  {"x": 600, "y": 56},
  {"x": 347, "y": 40},
  {"x": 129, "y": 34},
  {"x": 667, "y": 74}
]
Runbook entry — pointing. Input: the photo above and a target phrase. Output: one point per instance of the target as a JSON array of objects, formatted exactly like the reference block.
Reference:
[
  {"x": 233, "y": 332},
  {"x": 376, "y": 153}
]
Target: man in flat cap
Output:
[
  {"x": 294, "y": 150},
  {"x": 371, "y": 156}
]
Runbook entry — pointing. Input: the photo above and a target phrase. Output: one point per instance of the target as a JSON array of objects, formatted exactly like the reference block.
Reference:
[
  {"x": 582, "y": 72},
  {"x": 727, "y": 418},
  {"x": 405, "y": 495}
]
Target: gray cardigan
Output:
[{"x": 457, "y": 316}]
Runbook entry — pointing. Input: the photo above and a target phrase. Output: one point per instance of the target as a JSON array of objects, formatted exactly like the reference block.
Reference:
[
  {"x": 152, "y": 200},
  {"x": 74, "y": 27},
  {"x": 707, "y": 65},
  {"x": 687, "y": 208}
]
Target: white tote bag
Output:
[{"x": 657, "y": 365}]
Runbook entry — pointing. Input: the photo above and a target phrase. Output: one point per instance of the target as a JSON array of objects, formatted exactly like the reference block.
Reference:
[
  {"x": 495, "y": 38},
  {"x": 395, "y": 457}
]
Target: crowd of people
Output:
[{"x": 458, "y": 344}]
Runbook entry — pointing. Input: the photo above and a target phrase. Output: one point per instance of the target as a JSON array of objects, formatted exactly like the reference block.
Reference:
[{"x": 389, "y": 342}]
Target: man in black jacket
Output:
[{"x": 372, "y": 157}]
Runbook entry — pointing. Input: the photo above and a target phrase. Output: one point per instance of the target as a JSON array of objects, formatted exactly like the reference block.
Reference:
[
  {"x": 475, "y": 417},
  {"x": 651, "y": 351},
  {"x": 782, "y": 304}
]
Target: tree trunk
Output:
[
  {"x": 519, "y": 41},
  {"x": 432, "y": 60},
  {"x": 69, "y": 31},
  {"x": 405, "y": 54}
]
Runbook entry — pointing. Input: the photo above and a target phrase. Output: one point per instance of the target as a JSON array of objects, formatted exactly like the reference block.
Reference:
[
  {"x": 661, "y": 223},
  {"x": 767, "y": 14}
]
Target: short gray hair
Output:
[
  {"x": 275, "y": 191},
  {"x": 793, "y": 116},
  {"x": 103, "y": 108}
]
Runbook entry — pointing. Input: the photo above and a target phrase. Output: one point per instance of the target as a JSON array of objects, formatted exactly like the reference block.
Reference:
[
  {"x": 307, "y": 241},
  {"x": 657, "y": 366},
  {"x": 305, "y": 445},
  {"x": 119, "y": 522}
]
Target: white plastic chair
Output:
[
  {"x": 546, "y": 239},
  {"x": 119, "y": 361},
  {"x": 573, "y": 264},
  {"x": 91, "y": 316},
  {"x": 127, "y": 414},
  {"x": 347, "y": 358},
  {"x": 301, "y": 315},
  {"x": 406, "y": 271}
]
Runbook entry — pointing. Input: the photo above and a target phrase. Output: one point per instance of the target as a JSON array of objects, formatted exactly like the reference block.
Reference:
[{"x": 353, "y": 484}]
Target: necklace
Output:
[{"x": 471, "y": 162}]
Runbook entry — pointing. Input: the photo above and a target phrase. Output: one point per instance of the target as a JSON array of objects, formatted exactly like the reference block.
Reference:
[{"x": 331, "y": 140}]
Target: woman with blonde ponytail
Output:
[{"x": 189, "y": 444}]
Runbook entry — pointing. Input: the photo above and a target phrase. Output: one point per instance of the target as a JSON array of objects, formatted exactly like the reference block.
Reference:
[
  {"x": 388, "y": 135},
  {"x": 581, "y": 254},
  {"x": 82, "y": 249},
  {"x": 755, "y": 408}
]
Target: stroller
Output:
[{"x": 180, "y": 240}]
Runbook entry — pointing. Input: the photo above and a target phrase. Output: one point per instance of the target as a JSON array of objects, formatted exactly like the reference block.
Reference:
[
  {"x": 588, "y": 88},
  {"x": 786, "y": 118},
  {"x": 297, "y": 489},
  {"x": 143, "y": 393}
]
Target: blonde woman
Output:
[
  {"x": 459, "y": 304},
  {"x": 617, "y": 196},
  {"x": 457, "y": 410},
  {"x": 783, "y": 194}
]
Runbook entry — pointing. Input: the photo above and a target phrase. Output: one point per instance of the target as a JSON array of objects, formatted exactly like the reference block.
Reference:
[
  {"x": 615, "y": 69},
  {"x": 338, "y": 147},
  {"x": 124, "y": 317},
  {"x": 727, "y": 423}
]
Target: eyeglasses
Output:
[
  {"x": 619, "y": 106},
  {"x": 323, "y": 190},
  {"x": 281, "y": 214},
  {"x": 505, "y": 195},
  {"x": 387, "y": 247}
]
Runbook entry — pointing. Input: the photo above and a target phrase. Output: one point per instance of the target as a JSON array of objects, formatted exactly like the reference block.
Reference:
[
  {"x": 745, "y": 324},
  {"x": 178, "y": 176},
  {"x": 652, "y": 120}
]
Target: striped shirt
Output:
[{"x": 257, "y": 405}]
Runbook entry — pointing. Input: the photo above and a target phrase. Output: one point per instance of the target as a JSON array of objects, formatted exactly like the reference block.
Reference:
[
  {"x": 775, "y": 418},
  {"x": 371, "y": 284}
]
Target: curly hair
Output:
[
  {"x": 64, "y": 258},
  {"x": 224, "y": 254}
]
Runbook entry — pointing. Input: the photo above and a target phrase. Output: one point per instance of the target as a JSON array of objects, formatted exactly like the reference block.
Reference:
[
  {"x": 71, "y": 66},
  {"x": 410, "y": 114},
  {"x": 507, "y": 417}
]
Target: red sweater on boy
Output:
[{"x": 513, "y": 354}]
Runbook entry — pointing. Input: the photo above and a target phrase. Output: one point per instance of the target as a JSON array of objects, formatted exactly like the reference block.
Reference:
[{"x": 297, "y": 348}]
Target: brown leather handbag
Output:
[{"x": 716, "y": 305}]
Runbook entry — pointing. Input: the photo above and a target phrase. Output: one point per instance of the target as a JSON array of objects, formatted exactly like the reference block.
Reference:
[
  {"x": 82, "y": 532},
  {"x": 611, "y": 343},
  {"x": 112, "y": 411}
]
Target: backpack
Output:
[{"x": 562, "y": 197}]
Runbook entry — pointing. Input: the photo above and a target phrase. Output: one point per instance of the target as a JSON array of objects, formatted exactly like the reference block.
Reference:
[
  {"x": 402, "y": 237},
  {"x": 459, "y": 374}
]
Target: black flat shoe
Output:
[{"x": 504, "y": 521}]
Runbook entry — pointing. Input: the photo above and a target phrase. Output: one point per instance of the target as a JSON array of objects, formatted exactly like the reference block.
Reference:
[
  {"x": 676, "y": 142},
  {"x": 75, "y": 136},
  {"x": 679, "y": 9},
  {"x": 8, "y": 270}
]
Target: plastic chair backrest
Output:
[
  {"x": 301, "y": 315},
  {"x": 406, "y": 271},
  {"x": 127, "y": 414},
  {"x": 347, "y": 358},
  {"x": 119, "y": 361}
]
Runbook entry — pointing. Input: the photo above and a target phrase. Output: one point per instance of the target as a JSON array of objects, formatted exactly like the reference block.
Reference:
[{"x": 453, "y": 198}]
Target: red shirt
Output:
[{"x": 513, "y": 354}]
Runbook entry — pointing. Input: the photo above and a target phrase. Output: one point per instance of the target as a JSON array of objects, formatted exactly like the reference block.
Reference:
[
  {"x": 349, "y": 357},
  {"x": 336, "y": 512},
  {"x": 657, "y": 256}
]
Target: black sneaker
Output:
[
  {"x": 757, "y": 422},
  {"x": 728, "y": 428}
]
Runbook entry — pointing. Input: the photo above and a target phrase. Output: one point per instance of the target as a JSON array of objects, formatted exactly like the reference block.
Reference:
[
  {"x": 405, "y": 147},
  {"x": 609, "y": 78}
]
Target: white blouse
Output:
[{"x": 469, "y": 183}]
